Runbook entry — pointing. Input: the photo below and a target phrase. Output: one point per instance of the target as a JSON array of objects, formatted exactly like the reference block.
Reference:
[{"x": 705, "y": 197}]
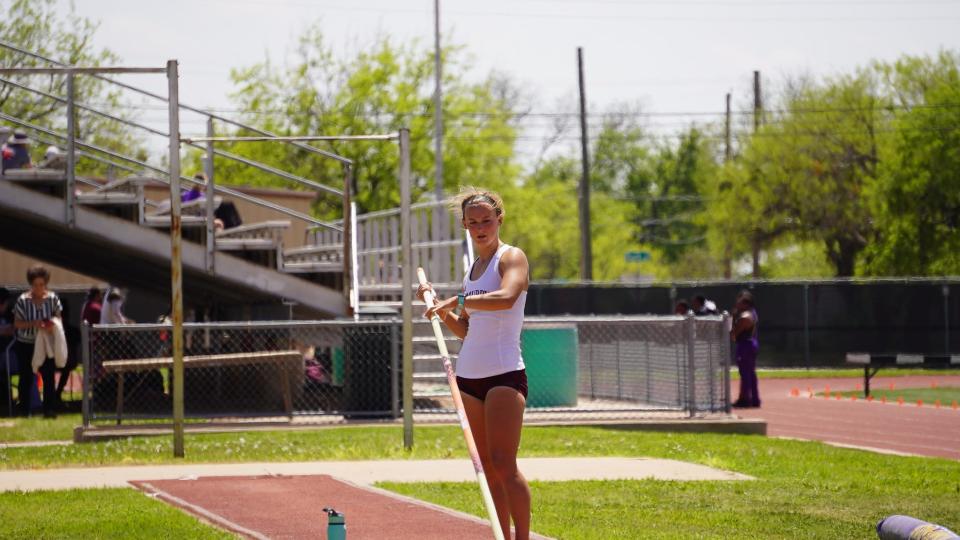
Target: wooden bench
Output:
[
  {"x": 873, "y": 362},
  {"x": 280, "y": 359}
]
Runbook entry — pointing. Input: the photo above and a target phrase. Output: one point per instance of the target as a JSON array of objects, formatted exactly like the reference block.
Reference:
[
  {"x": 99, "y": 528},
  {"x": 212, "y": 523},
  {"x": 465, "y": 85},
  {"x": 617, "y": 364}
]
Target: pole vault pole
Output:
[{"x": 461, "y": 413}]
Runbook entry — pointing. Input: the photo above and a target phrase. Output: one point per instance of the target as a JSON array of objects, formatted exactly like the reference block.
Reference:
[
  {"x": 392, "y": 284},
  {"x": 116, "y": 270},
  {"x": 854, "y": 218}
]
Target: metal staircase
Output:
[{"x": 343, "y": 265}]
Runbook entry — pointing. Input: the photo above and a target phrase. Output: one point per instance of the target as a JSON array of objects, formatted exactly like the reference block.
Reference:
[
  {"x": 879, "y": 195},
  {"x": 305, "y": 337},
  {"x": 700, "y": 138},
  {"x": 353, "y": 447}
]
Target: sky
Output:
[{"x": 675, "y": 59}]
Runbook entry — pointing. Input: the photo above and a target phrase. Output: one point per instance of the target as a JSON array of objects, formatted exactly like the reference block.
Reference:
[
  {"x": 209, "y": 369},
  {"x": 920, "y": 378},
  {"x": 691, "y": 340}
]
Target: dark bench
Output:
[
  {"x": 280, "y": 359},
  {"x": 873, "y": 362}
]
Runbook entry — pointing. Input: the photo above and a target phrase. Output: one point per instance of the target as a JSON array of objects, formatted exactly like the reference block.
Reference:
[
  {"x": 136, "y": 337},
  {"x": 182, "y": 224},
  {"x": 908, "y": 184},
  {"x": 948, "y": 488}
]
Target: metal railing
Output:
[
  {"x": 72, "y": 144},
  {"x": 378, "y": 247}
]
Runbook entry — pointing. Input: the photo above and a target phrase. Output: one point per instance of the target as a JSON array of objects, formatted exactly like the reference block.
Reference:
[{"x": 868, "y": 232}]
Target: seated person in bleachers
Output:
[
  {"x": 225, "y": 215},
  {"x": 196, "y": 190},
  {"x": 16, "y": 154},
  {"x": 53, "y": 158}
]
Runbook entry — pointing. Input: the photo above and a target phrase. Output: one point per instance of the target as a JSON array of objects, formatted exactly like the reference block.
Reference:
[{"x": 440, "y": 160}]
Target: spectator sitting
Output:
[
  {"x": 112, "y": 311},
  {"x": 701, "y": 306},
  {"x": 196, "y": 190},
  {"x": 16, "y": 154},
  {"x": 682, "y": 308},
  {"x": 53, "y": 158}
]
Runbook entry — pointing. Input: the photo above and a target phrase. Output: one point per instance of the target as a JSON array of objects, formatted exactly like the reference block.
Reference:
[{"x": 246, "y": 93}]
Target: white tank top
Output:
[{"x": 492, "y": 344}]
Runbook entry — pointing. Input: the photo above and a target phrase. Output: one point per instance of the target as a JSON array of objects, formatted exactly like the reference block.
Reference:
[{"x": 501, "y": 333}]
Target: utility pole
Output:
[
  {"x": 437, "y": 104},
  {"x": 727, "y": 152},
  {"x": 757, "y": 112},
  {"x": 439, "y": 256},
  {"x": 757, "y": 101},
  {"x": 726, "y": 132},
  {"x": 586, "y": 257}
]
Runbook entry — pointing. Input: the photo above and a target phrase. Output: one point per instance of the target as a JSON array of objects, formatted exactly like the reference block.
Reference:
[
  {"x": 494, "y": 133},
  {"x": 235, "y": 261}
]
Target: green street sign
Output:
[{"x": 637, "y": 256}]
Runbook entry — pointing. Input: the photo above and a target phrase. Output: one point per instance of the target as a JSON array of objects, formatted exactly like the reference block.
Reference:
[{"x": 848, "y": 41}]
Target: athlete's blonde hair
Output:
[{"x": 471, "y": 196}]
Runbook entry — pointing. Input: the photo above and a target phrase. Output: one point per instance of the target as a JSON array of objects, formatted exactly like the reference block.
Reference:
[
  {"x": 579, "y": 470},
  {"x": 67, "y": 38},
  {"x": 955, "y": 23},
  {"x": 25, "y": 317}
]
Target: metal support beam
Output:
[
  {"x": 85, "y": 354},
  {"x": 211, "y": 252},
  {"x": 176, "y": 268},
  {"x": 292, "y": 138},
  {"x": 348, "y": 234},
  {"x": 77, "y": 69},
  {"x": 406, "y": 279},
  {"x": 354, "y": 262},
  {"x": 308, "y": 148},
  {"x": 691, "y": 336},
  {"x": 69, "y": 198}
]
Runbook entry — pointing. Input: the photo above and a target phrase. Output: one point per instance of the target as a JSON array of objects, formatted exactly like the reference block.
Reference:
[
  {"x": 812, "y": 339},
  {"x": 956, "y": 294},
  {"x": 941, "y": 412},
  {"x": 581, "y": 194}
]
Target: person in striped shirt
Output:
[{"x": 32, "y": 314}]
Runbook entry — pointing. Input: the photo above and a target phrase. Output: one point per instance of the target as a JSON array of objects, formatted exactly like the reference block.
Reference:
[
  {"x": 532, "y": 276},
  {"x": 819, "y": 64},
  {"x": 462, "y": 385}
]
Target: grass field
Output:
[
  {"x": 803, "y": 489},
  {"x": 946, "y": 394},
  {"x": 96, "y": 513},
  {"x": 37, "y": 428}
]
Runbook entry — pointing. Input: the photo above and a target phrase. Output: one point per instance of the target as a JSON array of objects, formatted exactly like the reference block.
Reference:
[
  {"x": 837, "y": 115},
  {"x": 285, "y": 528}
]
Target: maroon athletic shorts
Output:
[{"x": 478, "y": 388}]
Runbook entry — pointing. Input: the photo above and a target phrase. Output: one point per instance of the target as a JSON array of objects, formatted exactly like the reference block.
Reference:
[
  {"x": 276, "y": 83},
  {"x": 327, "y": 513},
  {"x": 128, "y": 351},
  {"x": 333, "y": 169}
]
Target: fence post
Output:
[
  {"x": 176, "y": 268},
  {"x": 85, "y": 352},
  {"x": 806, "y": 325},
  {"x": 69, "y": 197},
  {"x": 210, "y": 194},
  {"x": 727, "y": 352},
  {"x": 593, "y": 391},
  {"x": 619, "y": 366},
  {"x": 691, "y": 327},
  {"x": 406, "y": 279},
  {"x": 946, "y": 318},
  {"x": 394, "y": 369}
]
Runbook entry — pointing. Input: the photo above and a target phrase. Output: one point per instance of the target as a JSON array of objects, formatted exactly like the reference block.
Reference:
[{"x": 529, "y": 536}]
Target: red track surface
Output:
[
  {"x": 291, "y": 507},
  {"x": 907, "y": 428}
]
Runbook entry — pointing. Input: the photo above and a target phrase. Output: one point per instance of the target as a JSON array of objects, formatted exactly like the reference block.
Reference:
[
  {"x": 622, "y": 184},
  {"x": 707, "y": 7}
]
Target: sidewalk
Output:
[{"x": 368, "y": 472}]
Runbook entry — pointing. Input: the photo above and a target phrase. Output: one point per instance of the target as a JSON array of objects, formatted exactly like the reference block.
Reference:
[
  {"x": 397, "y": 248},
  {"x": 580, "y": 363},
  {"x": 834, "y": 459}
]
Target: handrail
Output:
[
  {"x": 182, "y": 105},
  {"x": 216, "y": 188},
  {"x": 222, "y": 153},
  {"x": 388, "y": 212}
]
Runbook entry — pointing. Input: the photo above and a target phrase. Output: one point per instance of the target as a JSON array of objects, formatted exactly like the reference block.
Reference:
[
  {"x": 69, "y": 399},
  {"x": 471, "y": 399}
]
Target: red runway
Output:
[
  {"x": 906, "y": 428},
  {"x": 291, "y": 507}
]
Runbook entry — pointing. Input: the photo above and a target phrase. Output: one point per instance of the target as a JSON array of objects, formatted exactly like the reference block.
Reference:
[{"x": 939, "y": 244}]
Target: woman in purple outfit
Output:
[{"x": 747, "y": 344}]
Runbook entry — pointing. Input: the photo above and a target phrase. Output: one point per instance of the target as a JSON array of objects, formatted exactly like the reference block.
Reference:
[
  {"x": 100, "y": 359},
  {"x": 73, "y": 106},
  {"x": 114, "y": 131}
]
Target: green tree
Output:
[
  {"x": 916, "y": 201},
  {"x": 544, "y": 220},
  {"x": 43, "y": 28},
  {"x": 381, "y": 89},
  {"x": 803, "y": 175}
]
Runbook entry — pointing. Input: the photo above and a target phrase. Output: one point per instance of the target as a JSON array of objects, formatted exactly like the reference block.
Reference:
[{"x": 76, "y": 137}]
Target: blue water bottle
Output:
[{"x": 336, "y": 525}]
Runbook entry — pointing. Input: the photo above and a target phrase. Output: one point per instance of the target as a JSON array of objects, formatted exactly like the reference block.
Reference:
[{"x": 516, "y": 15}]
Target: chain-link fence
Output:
[{"x": 583, "y": 367}]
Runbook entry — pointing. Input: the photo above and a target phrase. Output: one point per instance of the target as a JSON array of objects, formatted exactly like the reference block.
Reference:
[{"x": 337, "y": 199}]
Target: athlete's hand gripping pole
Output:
[{"x": 461, "y": 413}]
